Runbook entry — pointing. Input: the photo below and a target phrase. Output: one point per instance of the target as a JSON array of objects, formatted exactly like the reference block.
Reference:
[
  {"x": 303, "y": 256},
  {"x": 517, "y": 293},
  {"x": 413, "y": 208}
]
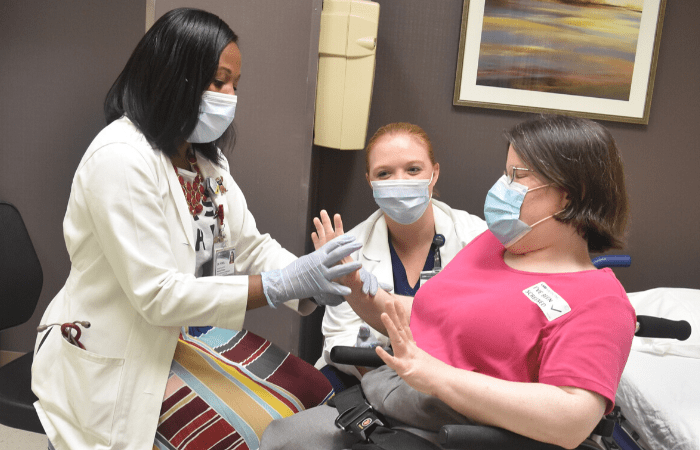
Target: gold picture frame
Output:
[{"x": 588, "y": 58}]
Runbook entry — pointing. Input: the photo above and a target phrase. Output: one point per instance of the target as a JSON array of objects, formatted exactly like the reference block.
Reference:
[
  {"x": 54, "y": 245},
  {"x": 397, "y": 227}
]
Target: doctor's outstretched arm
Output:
[{"x": 312, "y": 275}]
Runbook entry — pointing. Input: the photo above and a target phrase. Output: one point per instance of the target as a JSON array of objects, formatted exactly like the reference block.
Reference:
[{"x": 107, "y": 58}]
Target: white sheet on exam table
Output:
[
  {"x": 660, "y": 396},
  {"x": 659, "y": 392}
]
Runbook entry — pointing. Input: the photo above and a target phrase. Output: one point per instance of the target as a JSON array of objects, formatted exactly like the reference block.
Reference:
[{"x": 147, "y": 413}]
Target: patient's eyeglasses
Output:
[{"x": 510, "y": 174}]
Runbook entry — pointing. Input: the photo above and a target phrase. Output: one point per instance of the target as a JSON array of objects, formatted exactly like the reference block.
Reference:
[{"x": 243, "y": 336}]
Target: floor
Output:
[{"x": 13, "y": 439}]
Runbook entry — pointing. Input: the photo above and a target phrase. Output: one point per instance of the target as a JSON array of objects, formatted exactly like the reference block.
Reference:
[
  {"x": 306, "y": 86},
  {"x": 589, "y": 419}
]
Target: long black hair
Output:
[{"x": 161, "y": 86}]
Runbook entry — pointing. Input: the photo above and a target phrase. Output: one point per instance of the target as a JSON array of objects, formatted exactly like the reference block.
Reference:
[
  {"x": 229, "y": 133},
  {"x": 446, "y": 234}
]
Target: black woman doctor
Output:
[{"x": 152, "y": 208}]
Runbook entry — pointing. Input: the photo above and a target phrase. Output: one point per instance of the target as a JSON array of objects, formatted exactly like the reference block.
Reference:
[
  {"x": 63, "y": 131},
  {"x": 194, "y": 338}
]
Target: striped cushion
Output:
[{"x": 226, "y": 386}]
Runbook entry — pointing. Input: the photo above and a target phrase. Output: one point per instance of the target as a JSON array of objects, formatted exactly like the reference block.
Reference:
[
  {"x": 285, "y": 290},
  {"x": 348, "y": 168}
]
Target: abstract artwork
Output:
[{"x": 593, "y": 58}]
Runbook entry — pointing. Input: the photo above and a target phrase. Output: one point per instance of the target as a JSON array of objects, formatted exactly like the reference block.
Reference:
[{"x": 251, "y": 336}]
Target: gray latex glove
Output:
[
  {"x": 312, "y": 274},
  {"x": 370, "y": 284},
  {"x": 365, "y": 338},
  {"x": 328, "y": 299}
]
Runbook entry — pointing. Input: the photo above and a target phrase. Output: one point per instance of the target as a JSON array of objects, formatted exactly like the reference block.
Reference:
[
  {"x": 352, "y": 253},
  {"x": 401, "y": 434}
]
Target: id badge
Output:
[
  {"x": 224, "y": 260},
  {"x": 426, "y": 275}
]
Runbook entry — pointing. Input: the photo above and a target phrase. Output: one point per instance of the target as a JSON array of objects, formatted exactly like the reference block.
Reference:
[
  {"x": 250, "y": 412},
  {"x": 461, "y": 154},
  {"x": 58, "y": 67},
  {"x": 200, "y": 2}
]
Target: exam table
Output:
[{"x": 659, "y": 394}]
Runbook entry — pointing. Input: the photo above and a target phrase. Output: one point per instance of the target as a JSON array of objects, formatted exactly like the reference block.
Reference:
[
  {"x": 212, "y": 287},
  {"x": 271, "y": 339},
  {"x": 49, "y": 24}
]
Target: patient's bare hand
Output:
[
  {"x": 324, "y": 230},
  {"x": 414, "y": 365}
]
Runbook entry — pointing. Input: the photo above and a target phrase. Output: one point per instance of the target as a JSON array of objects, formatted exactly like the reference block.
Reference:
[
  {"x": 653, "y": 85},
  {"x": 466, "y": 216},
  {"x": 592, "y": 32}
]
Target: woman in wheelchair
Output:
[{"x": 519, "y": 330}]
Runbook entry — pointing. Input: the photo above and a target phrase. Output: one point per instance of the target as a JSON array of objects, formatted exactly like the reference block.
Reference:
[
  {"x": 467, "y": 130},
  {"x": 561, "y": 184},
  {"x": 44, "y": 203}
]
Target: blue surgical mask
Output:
[
  {"x": 502, "y": 211},
  {"x": 215, "y": 115},
  {"x": 404, "y": 201}
]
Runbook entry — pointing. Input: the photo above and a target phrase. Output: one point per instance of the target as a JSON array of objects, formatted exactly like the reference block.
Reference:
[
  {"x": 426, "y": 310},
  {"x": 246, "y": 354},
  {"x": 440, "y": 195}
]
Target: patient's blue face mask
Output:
[
  {"x": 404, "y": 201},
  {"x": 215, "y": 115},
  {"x": 502, "y": 211}
]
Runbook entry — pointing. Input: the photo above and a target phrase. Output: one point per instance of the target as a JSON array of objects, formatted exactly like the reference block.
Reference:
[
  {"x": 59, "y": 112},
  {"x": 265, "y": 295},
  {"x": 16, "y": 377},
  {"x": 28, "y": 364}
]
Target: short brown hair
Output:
[
  {"x": 400, "y": 128},
  {"x": 579, "y": 156}
]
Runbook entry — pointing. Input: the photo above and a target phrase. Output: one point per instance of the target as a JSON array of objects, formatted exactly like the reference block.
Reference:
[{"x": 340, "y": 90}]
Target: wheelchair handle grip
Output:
[
  {"x": 657, "y": 327},
  {"x": 482, "y": 437},
  {"x": 612, "y": 261},
  {"x": 356, "y": 356}
]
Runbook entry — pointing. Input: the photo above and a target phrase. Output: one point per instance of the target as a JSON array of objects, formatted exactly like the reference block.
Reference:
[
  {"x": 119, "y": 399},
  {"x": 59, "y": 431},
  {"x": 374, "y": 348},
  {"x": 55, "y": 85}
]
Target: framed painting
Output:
[{"x": 590, "y": 58}]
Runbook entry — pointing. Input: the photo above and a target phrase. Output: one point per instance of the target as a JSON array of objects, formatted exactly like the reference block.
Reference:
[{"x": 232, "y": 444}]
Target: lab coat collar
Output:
[
  {"x": 208, "y": 170},
  {"x": 180, "y": 200},
  {"x": 377, "y": 246},
  {"x": 445, "y": 224}
]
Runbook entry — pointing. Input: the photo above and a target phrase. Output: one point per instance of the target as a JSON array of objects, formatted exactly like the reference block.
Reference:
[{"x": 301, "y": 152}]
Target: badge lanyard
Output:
[
  {"x": 224, "y": 253},
  {"x": 438, "y": 241}
]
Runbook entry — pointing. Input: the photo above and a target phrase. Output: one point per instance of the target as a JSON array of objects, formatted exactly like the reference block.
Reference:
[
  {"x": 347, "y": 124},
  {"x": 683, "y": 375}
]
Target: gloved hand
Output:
[
  {"x": 370, "y": 284},
  {"x": 312, "y": 274},
  {"x": 365, "y": 339},
  {"x": 328, "y": 299}
]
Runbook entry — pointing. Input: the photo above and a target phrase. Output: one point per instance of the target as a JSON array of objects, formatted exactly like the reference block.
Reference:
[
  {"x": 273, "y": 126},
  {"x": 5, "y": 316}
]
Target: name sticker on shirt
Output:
[{"x": 551, "y": 303}]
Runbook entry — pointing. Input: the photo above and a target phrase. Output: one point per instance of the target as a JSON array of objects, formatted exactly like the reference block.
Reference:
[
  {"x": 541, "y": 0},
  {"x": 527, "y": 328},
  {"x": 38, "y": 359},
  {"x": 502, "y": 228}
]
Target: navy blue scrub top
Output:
[{"x": 401, "y": 286}]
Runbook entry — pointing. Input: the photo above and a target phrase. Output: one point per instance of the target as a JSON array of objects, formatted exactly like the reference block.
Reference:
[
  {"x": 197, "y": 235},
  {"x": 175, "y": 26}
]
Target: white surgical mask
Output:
[
  {"x": 215, "y": 115},
  {"x": 404, "y": 201}
]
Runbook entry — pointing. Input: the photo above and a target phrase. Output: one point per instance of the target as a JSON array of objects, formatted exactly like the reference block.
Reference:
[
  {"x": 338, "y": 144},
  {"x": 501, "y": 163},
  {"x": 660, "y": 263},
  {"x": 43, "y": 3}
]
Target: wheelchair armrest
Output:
[
  {"x": 356, "y": 356},
  {"x": 658, "y": 327},
  {"x": 483, "y": 437}
]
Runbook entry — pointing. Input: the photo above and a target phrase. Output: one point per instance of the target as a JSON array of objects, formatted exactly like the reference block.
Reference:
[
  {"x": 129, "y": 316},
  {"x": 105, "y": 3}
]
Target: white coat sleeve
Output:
[{"x": 120, "y": 192}]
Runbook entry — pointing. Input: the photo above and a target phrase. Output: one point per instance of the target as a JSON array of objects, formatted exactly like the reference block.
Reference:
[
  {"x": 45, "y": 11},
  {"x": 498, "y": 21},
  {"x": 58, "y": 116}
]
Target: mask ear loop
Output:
[
  {"x": 548, "y": 217},
  {"x": 431, "y": 180},
  {"x": 539, "y": 187}
]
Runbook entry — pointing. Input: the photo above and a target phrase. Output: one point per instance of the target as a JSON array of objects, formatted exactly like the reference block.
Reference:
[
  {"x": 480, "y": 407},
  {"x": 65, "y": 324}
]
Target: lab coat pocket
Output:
[
  {"x": 92, "y": 382},
  {"x": 85, "y": 387}
]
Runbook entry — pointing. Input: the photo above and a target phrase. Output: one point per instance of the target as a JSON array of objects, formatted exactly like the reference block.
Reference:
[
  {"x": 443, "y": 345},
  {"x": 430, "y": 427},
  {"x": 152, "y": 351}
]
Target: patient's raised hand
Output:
[
  {"x": 324, "y": 233},
  {"x": 324, "y": 229},
  {"x": 415, "y": 366}
]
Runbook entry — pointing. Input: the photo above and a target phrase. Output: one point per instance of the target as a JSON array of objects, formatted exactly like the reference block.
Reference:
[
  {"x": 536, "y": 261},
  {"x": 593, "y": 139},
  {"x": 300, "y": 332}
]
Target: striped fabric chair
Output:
[{"x": 226, "y": 386}]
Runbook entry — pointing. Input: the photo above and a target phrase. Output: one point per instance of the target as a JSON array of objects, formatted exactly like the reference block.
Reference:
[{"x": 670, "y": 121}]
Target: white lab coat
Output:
[
  {"x": 130, "y": 238},
  {"x": 340, "y": 323}
]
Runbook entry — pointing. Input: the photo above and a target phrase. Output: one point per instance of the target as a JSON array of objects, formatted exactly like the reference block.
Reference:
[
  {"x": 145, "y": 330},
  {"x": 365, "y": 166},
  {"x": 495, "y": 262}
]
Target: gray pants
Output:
[{"x": 403, "y": 406}]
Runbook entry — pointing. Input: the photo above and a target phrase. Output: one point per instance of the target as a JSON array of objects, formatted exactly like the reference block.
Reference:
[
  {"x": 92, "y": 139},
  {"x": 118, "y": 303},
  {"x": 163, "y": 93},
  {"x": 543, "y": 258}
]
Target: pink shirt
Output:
[{"x": 475, "y": 315}]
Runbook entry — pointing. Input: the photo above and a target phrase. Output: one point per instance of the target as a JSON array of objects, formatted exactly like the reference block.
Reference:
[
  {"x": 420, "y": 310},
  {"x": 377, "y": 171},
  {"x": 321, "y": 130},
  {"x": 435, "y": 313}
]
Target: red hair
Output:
[{"x": 400, "y": 128}]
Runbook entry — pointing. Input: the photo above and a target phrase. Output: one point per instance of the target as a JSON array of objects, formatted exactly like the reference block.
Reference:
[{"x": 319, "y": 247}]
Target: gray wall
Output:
[
  {"x": 416, "y": 63},
  {"x": 57, "y": 61}
]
